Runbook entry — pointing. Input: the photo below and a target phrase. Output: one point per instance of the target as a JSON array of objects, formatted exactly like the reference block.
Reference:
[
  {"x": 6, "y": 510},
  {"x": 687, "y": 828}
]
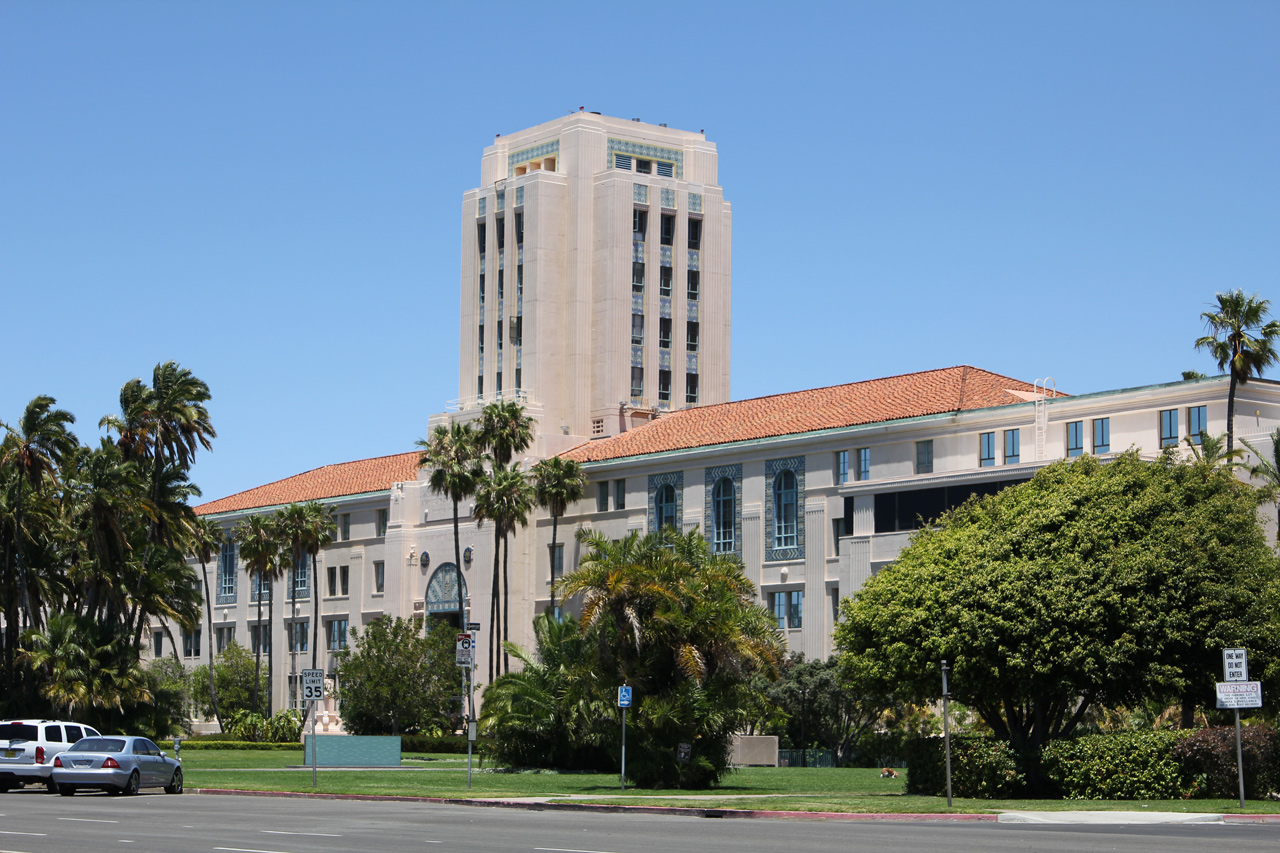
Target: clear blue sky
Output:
[{"x": 270, "y": 193}]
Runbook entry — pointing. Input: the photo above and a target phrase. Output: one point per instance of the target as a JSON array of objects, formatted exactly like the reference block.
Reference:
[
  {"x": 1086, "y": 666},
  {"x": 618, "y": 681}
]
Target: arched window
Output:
[
  {"x": 722, "y": 513},
  {"x": 784, "y": 510},
  {"x": 664, "y": 504}
]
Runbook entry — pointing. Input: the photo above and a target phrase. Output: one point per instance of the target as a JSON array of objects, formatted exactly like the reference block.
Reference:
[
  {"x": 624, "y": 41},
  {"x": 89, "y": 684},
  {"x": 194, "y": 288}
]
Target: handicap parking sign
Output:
[{"x": 624, "y": 696}]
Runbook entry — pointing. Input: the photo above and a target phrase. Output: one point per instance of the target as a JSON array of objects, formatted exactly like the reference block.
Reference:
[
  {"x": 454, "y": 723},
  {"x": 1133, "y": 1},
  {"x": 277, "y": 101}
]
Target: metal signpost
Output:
[
  {"x": 946, "y": 729},
  {"x": 465, "y": 657},
  {"x": 1236, "y": 691},
  {"x": 624, "y": 702},
  {"x": 313, "y": 692}
]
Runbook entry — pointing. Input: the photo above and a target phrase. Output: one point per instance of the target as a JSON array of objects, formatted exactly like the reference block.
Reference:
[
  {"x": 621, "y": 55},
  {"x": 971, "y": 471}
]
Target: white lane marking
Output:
[
  {"x": 88, "y": 820},
  {"x": 569, "y": 850},
  {"x": 15, "y": 832},
  {"x": 13, "y": 851},
  {"x": 286, "y": 832},
  {"x": 248, "y": 850}
]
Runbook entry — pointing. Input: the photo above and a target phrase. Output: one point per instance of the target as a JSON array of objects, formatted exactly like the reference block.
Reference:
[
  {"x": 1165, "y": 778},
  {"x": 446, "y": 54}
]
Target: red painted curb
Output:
[
  {"x": 588, "y": 807},
  {"x": 1251, "y": 818}
]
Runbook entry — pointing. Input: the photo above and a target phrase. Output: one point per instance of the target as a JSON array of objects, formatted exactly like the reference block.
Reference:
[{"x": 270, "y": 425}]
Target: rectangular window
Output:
[
  {"x": 986, "y": 450},
  {"x": 622, "y": 161},
  {"x": 619, "y": 494},
  {"x": 382, "y": 522},
  {"x": 637, "y": 276},
  {"x": 795, "y": 608},
  {"x": 602, "y": 496},
  {"x": 480, "y": 338},
  {"x": 644, "y": 167},
  {"x": 191, "y": 644},
  {"x": 557, "y": 562},
  {"x": 842, "y": 467},
  {"x": 597, "y": 426},
  {"x": 665, "y": 170},
  {"x": 691, "y": 387},
  {"x": 664, "y": 386},
  {"x": 333, "y": 581},
  {"x": 379, "y": 576},
  {"x": 335, "y": 632},
  {"x": 668, "y": 235},
  {"x": 637, "y": 329},
  {"x": 480, "y": 386},
  {"x": 157, "y": 644},
  {"x": 637, "y": 382},
  {"x": 639, "y": 224},
  {"x": 1197, "y": 423},
  {"x": 863, "y": 470},
  {"x": 924, "y": 457},
  {"x": 691, "y": 336},
  {"x": 664, "y": 333},
  {"x": 695, "y": 234},
  {"x": 519, "y": 279},
  {"x": 500, "y": 293},
  {"x": 1169, "y": 428},
  {"x": 693, "y": 284},
  {"x": 1075, "y": 438},
  {"x": 260, "y": 639},
  {"x": 497, "y": 379},
  {"x": 664, "y": 281},
  {"x": 1012, "y": 446},
  {"x": 500, "y": 233},
  {"x": 344, "y": 526},
  {"x": 519, "y": 371},
  {"x": 223, "y": 637},
  {"x": 481, "y": 291},
  {"x": 778, "y": 604},
  {"x": 227, "y": 571},
  {"x": 480, "y": 236},
  {"x": 519, "y": 228},
  {"x": 344, "y": 578},
  {"x": 298, "y": 633},
  {"x": 1102, "y": 435}
]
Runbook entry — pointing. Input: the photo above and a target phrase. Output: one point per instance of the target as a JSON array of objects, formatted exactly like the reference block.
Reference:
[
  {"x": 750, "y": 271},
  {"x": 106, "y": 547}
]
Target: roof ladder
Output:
[{"x": 1044, "y": 388}]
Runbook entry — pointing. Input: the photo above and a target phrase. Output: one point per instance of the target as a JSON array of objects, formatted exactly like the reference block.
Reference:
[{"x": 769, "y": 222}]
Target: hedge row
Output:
[
  {"x": 204, "y": 743},
  {"x": 455, "y": 744},
  {"x": 1156, "y": 765}
]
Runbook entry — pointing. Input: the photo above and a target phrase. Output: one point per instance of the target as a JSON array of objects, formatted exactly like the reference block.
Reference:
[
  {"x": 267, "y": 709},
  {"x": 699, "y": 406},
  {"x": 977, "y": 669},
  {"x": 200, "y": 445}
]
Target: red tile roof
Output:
[
  {"x": 331, "y": 481},
  {"x": 910, "y": 395}
]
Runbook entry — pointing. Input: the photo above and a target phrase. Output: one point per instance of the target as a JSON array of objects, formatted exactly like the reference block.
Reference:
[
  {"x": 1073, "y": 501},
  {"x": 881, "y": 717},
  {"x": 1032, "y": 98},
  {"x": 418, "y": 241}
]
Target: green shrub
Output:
[
  {"x": 981, "y": 768},
  {"x": 454, "y": 744},
  {"x": 1118, "y": 766},
  {"x": 1210, "y": 756},
  {"x": 206, "y": 743}
]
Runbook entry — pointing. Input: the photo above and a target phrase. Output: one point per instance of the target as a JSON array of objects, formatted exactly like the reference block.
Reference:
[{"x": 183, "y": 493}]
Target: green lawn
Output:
[{"x": 761, "y": 788}]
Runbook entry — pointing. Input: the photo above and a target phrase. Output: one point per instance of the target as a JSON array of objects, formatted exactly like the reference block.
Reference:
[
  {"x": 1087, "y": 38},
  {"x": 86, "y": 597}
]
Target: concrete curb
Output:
[
  {"x": 587, "y": 807},
  {"x": 1251, "y": 818}
]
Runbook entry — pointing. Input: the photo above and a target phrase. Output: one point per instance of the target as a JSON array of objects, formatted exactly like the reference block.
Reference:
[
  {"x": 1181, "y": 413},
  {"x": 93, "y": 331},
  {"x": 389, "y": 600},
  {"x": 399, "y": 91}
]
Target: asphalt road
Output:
[{"x": 32, "y": 822}]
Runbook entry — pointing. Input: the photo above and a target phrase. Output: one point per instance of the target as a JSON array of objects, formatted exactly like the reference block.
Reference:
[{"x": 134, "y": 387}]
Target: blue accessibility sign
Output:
[{"x": 624, "y": 696}]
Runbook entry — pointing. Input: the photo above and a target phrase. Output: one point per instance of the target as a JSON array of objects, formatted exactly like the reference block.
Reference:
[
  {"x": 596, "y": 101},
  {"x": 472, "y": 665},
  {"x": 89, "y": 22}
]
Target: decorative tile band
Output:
[
  {"x": 772, "y": 468},
  {"x": 711, "y": 476},
  {"x": 674, "y": 156},
  {"x": 692, "y": 311},
  {"x": 694, "y": 259},
  {"x": 502, "y": 199},
  {"x": 664, "y": 307},
  {"x": 637, "y": 251},
  {"x": 665, "y": 256},
  {"x": 519, "y": 196},
  {"x": 640, "y": 194},
  {"x": 691, "y": 362},
  {"x": 537, "y": 152},
  {"x": 664, "y": 359},
  {"x": 675, "y": 479},
  {"x": 480, "y": 206},
  {"x": 669, "y": 199},
  {"x": 695, "y": 202},
  {"x": 637, "y": 356},
  {"x": 637, "y": 303}
]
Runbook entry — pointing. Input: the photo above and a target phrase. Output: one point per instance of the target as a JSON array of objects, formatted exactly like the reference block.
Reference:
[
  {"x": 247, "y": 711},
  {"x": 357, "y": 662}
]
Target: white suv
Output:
[{"x": 28, "y": 747}]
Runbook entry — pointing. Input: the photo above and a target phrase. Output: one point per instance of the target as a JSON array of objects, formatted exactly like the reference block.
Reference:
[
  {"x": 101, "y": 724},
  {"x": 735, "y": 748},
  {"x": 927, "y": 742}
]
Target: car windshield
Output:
[
  {"x": 98, "y": 744},
  {"x": 18, "y": 731}
]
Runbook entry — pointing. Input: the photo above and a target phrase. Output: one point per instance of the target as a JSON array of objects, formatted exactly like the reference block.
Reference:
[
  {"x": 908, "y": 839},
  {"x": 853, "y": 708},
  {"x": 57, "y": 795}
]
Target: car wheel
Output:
[
  {"x": 51, "y": 786},
  {"x": 66, "y": 790},
  {"x": 175, "y": 784},
  {"x": 131, "y": 787}
]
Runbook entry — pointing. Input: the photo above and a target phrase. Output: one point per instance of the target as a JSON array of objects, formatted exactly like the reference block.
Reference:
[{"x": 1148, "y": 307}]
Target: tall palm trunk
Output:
[
  {"x": 315, "y": 613},
  {"x": 257, "y": 653},
  {"x": 1231, "y": 412},
  {"x": 555, "y": 520},
  {"x": 494, "y": 604},
  {"x": 506, "y": 604},
  {"x": 271, "y": 647},
  {"x": 208, "y": 613},
  {"x": 23, "y": 604},
  {"x": 457, "y": 569}
]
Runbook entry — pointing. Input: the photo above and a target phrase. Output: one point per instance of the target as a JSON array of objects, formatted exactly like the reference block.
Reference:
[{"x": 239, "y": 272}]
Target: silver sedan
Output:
[{"x": 117, "y": 765}]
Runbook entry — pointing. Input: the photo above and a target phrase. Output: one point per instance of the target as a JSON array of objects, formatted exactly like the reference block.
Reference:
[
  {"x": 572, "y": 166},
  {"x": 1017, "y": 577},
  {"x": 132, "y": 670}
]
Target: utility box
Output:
[{"x": 755, "y": 751}]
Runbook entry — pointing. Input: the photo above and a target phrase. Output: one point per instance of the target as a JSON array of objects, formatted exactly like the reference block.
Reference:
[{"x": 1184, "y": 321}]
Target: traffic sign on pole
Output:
[
  {"x": 1235, "y": 665},
  {"x": 312, "y": 685},
  {"x": 464, "y": 650},
  {"x": 624, "y": 696}
]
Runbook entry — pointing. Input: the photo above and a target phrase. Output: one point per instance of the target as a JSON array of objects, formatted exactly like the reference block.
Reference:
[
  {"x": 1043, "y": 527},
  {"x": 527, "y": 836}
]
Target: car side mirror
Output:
[{"x": 163, "y": 754}]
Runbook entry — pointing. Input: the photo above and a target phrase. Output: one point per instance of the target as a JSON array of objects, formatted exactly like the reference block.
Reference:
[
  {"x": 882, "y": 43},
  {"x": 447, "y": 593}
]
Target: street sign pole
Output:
[
  {"x": 1239, "y": 759},
  {"x": 313, "y": 692},
  {"x": 1235, "y": 667},
  {"x": 946, "y": 729},
  {"x": 624, "y": 702},
  {"x": 314, "y": 747}
]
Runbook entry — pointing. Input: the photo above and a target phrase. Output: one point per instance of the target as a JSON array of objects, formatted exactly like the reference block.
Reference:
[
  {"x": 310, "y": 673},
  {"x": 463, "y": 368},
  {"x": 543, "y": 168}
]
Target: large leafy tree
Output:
[
  {"x": 453, "y": 453},
  {"x": 557, "y": 483},
  {"x": 396, "y": 681},
  {"x": 505, "y": 497},
  {"x": 1090, "y": 585},
  {"x": 1241, "y": 340},
  {"x": 1267, "y": 469},
  {"x": 822, "y": 708}
]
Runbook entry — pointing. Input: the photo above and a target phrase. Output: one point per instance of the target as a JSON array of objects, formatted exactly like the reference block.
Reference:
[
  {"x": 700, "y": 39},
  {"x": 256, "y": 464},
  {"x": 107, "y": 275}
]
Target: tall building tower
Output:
[{"x": 595, "y": 276}]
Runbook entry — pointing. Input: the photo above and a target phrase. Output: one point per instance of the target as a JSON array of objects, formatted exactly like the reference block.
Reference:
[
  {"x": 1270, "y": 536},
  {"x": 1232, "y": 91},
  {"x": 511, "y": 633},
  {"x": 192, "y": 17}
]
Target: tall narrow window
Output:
[
  {"x": 519, "y": 227},
  {"x": 501, "y": 292},
  {"x": 668, "y": 235},
  {"x": 480, "y": 387},
  {"x": 557, "y": 562},
  {"x": 1102, "y": 435},
  {"x": 1075, "y": 438},
  {"x": 722, "y": 516},
  {"x": 519, "y": 279},
  {"x": 482, "y": 292},
  {"x": 157, "y": 641},
  {"x": 842, "y": 467},
  {"x": 637, "y": 276},
  {"x": 500, "y": 233},
  {"x": 784, "y": 510},
  {"x": 863, "y": 469},
  {"x": 986, "y": 449},
  {"x": 344, "y": 526},
  {"x": 227, "y": 572},
  {"x": 1012, "y": 447},
  {"x": 693, "y": 284},
  {"x": 637, "y": 329},
  {"x": 382, "y": 517},
  {"x": 379, "y": 576},
  {"x": 691, "y": 336},
  {"x": 602, "y": 496},
  {"x": 1169, "y": 428},
  {"x": 1197, "y": 423},
  {"x": 924, "y": 456},
  {"x": 690, "y": 387},
  {"x": 480, "y": 236},
  {"x": 480, "y": 337},
  {"x": 664, "y": 333},
  {"x": 639, "y": 224},
  {"x": 695, "y": 234},
  {"x": 664, "y": 386},
  {"x": 795, "y": 608},
  {"x": 335, "y": 631},
  {"x": 664, "y": 506},
  {"x": 778, "y": 604},
  {"x": 344, "y": 578},
  {"x": 664, "y": 281},
  {"x": 333, "y": 581},
  {"x": 637, "y": 382},
  {"x": 620, "y": 494}
]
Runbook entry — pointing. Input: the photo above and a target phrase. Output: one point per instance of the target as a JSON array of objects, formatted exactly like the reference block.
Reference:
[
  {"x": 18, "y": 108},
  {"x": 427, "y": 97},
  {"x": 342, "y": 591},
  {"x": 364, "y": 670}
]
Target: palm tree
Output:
[
  {"x": 1268, "y": 470},
  {"x": 59, "y": 654},
  {"x": 1211, "y": 451},
  {"x": 206, "y": 540},
  {"x": 34, "y": 448},
  {"x": 557, "y": 482},
  {"x": 1241, "y": 341},
  {"x": 259, "y": 548},
  {"x": 321, "y": 531},
  {"x": 453, "y": 455},
  {"x": 505, "y": 430},
  {"x": 505, "y": 497}
]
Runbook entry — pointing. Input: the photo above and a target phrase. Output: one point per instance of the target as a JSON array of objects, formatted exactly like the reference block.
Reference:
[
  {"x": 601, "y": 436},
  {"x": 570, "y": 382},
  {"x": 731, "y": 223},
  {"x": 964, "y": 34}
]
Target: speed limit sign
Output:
[{"x": 312, "y": 685}]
